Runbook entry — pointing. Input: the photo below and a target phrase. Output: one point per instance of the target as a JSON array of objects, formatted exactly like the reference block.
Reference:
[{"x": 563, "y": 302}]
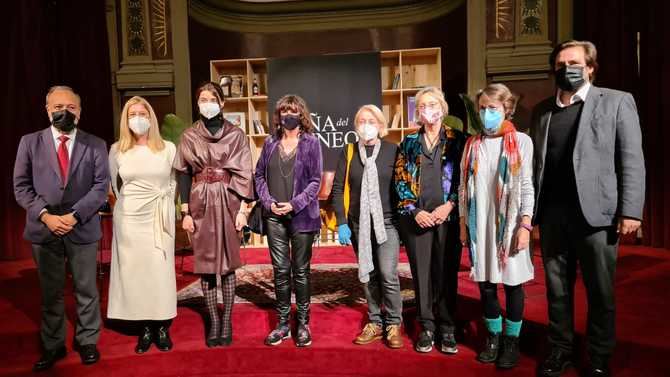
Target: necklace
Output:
[
  {"x": 431, "y": 143},
  {"x": 284, "y": 157}
]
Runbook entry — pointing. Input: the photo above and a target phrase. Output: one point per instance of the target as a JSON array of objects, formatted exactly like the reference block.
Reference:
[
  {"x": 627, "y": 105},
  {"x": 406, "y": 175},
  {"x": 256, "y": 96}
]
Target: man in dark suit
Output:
[
  {"x": 61, "y": 178},
  {"x": 589, "y": 182}
]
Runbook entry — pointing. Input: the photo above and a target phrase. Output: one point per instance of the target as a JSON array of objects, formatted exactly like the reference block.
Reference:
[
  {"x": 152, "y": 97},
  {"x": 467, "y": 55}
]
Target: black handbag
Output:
[{"x": 255, "y": 222}]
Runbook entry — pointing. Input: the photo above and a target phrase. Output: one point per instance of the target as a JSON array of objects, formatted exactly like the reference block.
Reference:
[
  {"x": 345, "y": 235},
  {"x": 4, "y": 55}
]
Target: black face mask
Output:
[
  {"x": 63, "y": 120},
  {"x": 570, "y": 78},
  {"x": 290, "y": 122}
]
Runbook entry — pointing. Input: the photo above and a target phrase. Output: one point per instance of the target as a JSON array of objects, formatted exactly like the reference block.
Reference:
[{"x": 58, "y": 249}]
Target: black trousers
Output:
[
  {"x": 50, "y": 259},
  {"x": 291, "y": 253},
  {"x": 566, "y": 240},
  {"x": 434, "y": 258}
]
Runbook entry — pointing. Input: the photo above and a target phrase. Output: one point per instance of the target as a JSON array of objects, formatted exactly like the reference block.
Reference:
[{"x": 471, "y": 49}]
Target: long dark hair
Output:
[
  {"x": 293, "y": 103},
  {"x": 211, "y": 87}
]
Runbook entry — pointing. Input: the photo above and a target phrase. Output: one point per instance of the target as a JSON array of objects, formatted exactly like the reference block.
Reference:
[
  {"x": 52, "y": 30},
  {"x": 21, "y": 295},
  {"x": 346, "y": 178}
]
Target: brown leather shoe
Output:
[
  {"x": 371, "y": 332},
  {"x": 393, "y": 336}
]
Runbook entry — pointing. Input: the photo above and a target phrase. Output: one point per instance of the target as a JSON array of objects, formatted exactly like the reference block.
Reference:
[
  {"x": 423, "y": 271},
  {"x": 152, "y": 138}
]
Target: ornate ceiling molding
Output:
[{"x": 317, "y": 15}]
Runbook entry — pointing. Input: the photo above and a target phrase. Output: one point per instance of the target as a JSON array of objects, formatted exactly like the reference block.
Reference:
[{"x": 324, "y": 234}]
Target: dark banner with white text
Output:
[{"x": 334, "y": 87}]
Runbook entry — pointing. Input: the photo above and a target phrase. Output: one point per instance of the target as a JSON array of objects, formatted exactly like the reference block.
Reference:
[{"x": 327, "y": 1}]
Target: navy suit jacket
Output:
[{"x": 38, "y": 184}]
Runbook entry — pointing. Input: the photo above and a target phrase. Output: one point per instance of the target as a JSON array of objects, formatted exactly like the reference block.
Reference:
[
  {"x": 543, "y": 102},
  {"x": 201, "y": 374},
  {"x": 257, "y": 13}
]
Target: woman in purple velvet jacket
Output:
[{"x": 288, "y": 176}]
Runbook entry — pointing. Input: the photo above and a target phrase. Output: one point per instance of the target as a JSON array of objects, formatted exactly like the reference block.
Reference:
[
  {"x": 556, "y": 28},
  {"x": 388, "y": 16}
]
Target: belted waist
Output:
[{"x": 212, "y": 175}]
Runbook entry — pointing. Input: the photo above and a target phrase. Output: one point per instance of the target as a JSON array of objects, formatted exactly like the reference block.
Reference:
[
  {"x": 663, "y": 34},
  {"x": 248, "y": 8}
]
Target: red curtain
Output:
[
  {"x": 49, "y": 42},
  {"x": 614, "y": 26}
]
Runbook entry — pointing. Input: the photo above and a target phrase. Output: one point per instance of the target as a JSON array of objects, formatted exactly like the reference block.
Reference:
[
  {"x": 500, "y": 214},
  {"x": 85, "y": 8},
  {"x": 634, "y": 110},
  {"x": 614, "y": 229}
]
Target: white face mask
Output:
[
  {"x": 368, "y": 132},
  {"x": 209, "y": 110},
  {"x": 139, "y": 125}
]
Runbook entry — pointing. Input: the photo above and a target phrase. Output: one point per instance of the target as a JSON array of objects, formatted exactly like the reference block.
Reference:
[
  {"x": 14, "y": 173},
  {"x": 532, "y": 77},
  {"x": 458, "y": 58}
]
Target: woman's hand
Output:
[
  {"x": 522, "y": 240},
  {"x": 240, "y": 221},
  {"x": 275, "y": 209},
  {"x": 344, "y": 234},
  {"x": 187, "y": 224},
  {"x": 441, "y": 213},
  {"x": 282, "y": 208},
  {"x": 424, "y": 219}
]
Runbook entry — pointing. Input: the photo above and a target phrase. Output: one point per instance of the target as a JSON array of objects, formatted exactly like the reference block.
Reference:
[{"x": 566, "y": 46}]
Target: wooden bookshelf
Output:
[{"x": 403, "y": 74}]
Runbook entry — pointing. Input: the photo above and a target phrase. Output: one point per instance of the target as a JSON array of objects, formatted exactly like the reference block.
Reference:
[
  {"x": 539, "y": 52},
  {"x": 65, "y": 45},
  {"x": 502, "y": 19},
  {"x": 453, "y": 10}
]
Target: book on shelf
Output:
[
  {"x": 411, "y": 109},
  {"x": 396, "y": 81},
  {"x": 395, "y": 123},
  {"x": 258, "y": 127}
]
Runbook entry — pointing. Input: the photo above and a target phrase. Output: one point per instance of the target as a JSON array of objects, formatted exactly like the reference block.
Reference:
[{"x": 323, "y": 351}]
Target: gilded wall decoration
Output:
[
  {"x": 500, "y": 21},
  {"x": 160, "y": 29},
  {"x": 135, "y": 17}
]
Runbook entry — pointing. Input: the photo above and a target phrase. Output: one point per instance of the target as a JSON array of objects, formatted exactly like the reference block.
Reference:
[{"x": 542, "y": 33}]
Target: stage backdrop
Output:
[{"x": 334, "y": 87}]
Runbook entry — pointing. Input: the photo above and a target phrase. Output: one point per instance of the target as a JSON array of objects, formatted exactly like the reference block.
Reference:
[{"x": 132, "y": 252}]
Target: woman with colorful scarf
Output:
[
  {"x": 496, "y": 201},
  {"x": 426, "y": 180}
]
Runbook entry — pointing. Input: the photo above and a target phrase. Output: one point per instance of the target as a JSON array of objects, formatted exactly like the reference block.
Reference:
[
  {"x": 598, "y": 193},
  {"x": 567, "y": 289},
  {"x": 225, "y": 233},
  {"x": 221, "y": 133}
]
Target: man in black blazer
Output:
[
  {"x": 589, "y": 182},
  {"x": 61, "y": 178}
]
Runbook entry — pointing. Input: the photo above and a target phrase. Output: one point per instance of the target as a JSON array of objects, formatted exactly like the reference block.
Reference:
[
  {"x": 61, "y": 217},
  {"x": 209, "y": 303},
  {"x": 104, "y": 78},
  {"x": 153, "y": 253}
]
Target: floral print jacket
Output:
[{"x": 408, "y": 170}]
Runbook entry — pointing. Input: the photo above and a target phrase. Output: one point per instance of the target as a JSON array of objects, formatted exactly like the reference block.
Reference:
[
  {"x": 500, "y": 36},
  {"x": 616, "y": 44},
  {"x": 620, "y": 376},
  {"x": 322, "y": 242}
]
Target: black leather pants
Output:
[{"x": 291, "y": 253}]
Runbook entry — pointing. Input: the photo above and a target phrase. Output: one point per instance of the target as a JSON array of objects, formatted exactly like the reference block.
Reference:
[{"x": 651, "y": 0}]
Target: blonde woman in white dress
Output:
[{"x": 142, "y": 283}]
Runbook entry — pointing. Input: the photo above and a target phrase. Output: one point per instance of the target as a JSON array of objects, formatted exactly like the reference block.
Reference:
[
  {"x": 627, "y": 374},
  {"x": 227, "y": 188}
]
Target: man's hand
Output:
[
  {"x": 70, "y": 219},
  {"x": 424, "y": 219},
  {"x": 627, "y": 226},
  {"x": 56, "y": 224}
]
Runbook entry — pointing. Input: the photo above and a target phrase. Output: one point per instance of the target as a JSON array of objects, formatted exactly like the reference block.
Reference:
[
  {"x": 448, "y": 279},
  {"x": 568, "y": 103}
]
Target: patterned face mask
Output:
[{"x": 431, "y": 116}]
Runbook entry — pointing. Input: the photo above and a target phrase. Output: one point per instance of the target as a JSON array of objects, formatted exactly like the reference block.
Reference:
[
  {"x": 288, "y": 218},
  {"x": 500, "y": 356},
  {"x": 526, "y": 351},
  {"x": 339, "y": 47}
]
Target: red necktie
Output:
[{"x": 63, "y": 157}]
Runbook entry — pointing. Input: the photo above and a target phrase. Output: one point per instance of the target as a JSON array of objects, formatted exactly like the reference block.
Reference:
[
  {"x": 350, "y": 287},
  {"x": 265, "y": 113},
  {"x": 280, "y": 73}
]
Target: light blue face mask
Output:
[{"x": 491, "y": 120}]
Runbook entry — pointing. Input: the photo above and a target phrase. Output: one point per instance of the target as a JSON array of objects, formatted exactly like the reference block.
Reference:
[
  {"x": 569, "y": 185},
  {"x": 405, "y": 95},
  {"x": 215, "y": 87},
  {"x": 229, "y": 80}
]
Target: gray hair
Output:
[{"x": 63, "y": 88}]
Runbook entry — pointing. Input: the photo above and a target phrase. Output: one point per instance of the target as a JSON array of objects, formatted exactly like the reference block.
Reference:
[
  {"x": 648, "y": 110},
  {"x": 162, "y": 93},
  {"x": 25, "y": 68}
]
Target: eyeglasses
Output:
[{"x": 429, "y": 105}]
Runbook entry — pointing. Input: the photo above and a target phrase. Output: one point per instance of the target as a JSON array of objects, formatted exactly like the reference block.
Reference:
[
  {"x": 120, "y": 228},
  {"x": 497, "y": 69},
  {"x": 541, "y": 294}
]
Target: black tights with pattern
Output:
[{"x": 220, "y": 326}]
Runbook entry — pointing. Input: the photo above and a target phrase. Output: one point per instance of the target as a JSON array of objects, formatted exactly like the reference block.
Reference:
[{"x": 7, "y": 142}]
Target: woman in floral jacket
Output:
[{"x": 427, "y": 176}]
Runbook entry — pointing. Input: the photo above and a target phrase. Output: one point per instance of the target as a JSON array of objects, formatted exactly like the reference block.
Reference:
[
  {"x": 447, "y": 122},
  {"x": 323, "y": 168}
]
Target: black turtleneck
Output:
[{"x": 212, "y": 125}]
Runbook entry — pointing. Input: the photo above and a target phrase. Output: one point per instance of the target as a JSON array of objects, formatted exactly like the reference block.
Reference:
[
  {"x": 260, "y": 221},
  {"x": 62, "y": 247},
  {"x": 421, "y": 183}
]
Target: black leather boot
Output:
[
  {"x": 509, "y": 355},
  {"x": 162, "y": 338},
  {"x": 490, "y": 352},
  {"x": 144, "y": 340}
]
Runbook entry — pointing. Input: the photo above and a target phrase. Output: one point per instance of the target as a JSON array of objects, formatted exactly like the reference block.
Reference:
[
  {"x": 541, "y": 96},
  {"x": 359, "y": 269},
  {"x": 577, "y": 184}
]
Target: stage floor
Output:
[{"x": 642, "y": 284}]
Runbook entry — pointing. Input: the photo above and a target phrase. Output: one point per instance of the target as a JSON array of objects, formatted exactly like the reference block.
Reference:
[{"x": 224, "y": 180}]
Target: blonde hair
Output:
[
  {"x": 126, "y": 140},
  {"x": 379, "y": 116},
  {"x": 435, "y": 93},
  {"x": 500, "y": 92}
]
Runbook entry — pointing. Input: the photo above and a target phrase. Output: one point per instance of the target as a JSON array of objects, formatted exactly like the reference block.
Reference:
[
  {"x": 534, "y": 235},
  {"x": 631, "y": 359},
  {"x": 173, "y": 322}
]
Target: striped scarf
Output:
[{"x": 507, "y": 197}]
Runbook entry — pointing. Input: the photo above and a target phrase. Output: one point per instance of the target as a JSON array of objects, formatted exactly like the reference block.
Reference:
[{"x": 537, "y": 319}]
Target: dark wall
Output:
[
  {"x": 615, "y": 33},
  {"x": 447, "y": 32},
  {"x": 49, "y": 43}
]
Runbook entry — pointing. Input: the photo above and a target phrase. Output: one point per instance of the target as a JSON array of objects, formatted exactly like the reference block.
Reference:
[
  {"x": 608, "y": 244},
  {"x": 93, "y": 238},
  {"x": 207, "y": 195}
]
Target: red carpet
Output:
[{"x": 643, "y": 280}]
